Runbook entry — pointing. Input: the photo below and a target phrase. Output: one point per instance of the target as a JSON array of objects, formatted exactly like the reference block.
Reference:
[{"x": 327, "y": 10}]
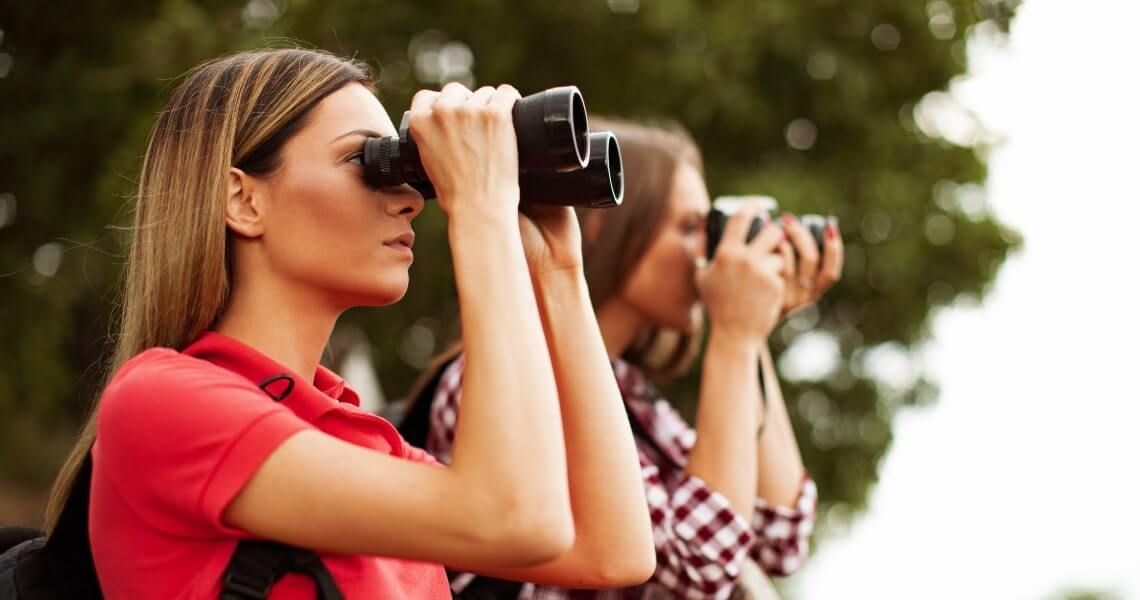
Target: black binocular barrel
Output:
[
  {"x": 600, "y": 185},
  {"x": 551, "y": 128}
]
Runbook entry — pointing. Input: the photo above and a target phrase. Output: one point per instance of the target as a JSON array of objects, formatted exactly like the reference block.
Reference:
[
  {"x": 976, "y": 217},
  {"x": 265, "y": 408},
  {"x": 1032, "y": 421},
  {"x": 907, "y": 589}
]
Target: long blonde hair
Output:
[{"x": 238, "y": 111}]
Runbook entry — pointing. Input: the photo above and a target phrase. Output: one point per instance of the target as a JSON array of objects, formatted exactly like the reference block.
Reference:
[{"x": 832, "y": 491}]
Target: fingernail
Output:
[
  {"x": 787, "y": 217},
  {"x": 832, "y": 231}
]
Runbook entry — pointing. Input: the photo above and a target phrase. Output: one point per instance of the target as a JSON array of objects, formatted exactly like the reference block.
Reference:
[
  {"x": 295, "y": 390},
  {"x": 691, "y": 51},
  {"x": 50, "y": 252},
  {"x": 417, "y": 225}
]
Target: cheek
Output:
[
  {"x": 323, "y": 228},
  {"x": 662, "y": 286}
]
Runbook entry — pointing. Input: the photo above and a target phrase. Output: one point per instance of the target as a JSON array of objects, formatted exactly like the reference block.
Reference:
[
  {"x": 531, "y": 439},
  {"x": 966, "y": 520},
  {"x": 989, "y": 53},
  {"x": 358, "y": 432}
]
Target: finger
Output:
[
  {"x": 832, "y": 267},
  {"x": 788, "y": 269},
  {"x": 773, "y": 263},
  {"x": 736, "y": 230},
  {"x": 423, "y": 100},
  {"x": 452, "y": 95},
  {"x": 769, "y": 239},
  {"x": 807, "y": 264},
  {"x": 792, "y": 293},
  {"x": 505, "y": 97},
  {"x": 481, "y": 96}
]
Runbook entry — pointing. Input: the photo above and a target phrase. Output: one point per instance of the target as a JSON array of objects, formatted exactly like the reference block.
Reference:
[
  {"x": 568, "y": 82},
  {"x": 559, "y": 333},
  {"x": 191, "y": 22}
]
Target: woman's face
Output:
[
  {"x": 663, "y": 285},
  {"x": 325, "y": 229}
]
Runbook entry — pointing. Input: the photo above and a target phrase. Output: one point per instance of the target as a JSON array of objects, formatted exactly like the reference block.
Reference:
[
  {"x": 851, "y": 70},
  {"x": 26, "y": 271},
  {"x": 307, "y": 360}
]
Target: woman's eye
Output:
[
  {"x": 357, "y": 159},
  {"x": 690, "y": 226}
]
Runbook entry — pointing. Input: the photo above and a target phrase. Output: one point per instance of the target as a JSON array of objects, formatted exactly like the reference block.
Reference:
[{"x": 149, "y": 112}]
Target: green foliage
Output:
[
  {"x": 752, "y": 80},
  {"x": 1084, "y": 594}
]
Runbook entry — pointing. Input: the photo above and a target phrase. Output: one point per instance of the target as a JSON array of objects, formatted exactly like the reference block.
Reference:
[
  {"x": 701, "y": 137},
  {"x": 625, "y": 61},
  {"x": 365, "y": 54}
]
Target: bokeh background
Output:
[{"x": 969, "y": 432}]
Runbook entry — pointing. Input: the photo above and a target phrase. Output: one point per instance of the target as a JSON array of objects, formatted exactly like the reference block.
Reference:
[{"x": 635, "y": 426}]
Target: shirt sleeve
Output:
[
  {"x": 179, "y": 438},
  {"x": 782, "y": 532},
  {"x": 701, "y": 542}
]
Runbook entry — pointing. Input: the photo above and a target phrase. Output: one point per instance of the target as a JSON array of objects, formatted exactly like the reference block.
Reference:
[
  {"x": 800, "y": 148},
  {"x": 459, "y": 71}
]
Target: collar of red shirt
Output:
[{"x": 232, "y": 355}]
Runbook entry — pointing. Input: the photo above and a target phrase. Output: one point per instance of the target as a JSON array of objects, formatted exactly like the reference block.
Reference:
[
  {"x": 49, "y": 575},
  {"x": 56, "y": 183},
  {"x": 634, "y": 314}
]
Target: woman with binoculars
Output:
[
  {"x": 734, "y": 487},
  {"x": 254, "y": 230}
]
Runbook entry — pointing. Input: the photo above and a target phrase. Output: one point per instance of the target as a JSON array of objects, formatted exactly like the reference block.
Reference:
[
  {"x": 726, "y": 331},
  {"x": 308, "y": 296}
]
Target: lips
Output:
[{"x": 406, "y": 240}]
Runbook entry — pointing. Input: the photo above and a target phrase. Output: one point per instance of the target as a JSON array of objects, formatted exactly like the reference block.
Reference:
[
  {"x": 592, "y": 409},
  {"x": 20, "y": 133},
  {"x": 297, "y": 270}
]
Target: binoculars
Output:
[
  {"x": 725, "y": 206},
  {"x": 560, "y": 161}
]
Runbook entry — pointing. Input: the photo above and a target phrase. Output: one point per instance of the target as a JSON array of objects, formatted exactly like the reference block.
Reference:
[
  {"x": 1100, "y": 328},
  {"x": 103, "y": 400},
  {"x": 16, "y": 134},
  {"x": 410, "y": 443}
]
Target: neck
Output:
[
  {"x": 619, "y": 323},
  {"x": 289, "y": 327}
]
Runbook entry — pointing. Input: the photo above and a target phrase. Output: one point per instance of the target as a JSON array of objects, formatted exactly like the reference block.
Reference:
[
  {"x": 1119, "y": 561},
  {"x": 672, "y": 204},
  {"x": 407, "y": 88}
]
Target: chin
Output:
[{"x": 382, "y": 295}]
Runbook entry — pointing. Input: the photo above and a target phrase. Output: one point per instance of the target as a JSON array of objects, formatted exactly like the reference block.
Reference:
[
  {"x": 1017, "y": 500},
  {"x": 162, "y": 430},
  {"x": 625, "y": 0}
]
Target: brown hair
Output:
[
  {"x": 238, "y": 110},
  {"x": 615, "y": 240}
]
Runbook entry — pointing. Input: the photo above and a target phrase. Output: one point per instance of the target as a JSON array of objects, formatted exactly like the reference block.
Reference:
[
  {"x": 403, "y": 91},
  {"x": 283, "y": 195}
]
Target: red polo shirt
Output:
[{"x": 179, "y": 434}]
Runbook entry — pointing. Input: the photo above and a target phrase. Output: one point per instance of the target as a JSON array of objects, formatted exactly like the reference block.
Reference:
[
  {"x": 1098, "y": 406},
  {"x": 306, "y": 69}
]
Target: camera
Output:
[
  {"x": 560, "y": 161},
  {"x": 725, "y": 206}
]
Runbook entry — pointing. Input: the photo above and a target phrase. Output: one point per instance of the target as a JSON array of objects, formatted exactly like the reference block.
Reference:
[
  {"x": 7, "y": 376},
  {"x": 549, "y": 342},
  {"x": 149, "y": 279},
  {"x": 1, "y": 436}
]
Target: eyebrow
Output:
[{"x": 363, "y": 132}]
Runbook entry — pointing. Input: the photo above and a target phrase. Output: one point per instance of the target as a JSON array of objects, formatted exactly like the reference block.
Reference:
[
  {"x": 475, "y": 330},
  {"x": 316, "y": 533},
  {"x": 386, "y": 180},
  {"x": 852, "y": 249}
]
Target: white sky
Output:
[{"x": 1023, "y": 479}]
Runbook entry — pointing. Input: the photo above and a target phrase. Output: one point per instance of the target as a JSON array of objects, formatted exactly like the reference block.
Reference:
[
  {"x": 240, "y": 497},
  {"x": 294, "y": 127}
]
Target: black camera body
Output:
[
  {"x": 725, "y": 206},
  {"x": 560, "y": 161}
]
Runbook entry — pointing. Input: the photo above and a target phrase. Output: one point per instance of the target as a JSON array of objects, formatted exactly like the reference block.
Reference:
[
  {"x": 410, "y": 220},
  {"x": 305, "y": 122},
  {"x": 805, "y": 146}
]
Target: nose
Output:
[{"x": 405, "y": 201}]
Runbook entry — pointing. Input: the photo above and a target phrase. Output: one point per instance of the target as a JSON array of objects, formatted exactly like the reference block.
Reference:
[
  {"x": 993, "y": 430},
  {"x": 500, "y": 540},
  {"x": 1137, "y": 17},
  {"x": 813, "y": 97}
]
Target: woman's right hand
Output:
[
  {"x": 742, "y": 288},
  {"x": 467, "y": 144}
]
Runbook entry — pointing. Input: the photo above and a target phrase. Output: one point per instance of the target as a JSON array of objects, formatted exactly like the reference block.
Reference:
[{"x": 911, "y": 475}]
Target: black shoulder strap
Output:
[
  {"x": 257, "y": 565},
  {"x": 416, "y": 423},
  {"x": 489, "y": 588},
  {"x": 69, "y": 545}
]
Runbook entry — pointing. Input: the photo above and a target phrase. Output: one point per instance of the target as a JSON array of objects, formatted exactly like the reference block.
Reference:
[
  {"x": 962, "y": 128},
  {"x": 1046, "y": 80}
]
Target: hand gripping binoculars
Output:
[{"x": 560, "y": 161}]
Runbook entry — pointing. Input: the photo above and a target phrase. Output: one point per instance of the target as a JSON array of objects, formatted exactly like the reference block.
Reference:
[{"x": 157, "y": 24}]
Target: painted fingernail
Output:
[{"x": 832, "y": 231}]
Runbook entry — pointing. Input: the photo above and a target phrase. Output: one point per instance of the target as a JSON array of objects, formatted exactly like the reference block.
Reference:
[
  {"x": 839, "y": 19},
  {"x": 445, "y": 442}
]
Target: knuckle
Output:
[
  {"x": 418, "y": 119},
  {"x": 508, "y": 89},
  {"x": 455, "y": 85}
]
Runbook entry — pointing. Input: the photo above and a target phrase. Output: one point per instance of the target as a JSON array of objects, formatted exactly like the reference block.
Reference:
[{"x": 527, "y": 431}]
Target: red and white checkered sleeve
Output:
[
  {"x": 445, "y": 411},
  {"x": 782, "y": 532},
  {"x": 701, "y": 542}
]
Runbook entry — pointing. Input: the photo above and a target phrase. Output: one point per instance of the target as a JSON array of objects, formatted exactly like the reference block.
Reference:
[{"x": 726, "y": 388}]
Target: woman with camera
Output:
[
  {"x": 734, "y": 487},
  {"x": 254, "y": 230}
]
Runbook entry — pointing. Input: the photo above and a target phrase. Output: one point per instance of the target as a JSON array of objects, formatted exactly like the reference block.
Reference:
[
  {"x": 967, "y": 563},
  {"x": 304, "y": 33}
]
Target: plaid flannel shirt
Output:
[{"x": 701, "y": 542}]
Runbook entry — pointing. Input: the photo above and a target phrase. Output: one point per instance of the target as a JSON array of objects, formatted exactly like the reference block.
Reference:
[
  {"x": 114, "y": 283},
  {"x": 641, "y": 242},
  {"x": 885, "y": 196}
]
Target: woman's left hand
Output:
[
  {"x": 810, "y": 275},
  {"x": 551, "y": 239}
]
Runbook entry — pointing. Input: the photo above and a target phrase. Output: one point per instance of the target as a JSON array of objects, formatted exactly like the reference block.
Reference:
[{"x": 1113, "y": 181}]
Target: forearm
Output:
[
  {"x": 509, "y": 430},
  {"x": 724, "y": 454},
  {"x": 606, "y": 489},
  {"x": 781, "y": 468}
]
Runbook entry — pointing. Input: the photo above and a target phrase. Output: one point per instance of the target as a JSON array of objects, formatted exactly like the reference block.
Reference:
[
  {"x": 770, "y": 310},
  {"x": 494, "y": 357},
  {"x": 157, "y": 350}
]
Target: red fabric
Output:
[{"x": 179, "y": 434}]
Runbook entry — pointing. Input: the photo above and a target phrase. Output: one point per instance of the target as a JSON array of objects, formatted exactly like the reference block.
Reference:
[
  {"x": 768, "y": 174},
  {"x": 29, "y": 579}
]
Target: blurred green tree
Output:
[
  {"x": 1084, "y": 594},
  {"x": 836, "y": 107}
]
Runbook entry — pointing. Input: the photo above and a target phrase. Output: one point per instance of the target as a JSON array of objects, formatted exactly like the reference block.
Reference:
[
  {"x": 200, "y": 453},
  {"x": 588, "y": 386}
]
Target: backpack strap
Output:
[
  {"x": 257, "y": 565},
  {"x": 68, "y": 548},
  {"x": 489, "y": 588}
]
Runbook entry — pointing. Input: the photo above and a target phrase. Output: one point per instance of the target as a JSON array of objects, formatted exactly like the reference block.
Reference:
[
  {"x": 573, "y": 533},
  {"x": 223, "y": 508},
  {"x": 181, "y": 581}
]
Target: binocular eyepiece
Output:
[
  {"x": 725, "y": 206},
  {"x": 560, "y": 161}
]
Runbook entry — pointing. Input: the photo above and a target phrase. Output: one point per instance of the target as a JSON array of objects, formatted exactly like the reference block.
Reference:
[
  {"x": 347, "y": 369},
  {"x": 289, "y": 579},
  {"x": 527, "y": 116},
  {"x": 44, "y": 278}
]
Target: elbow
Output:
[
  {"x": 538, "y": 534},
  {"x": 618, "y": 563},
  {"x": 533, "y": 530},
  {"x": 626, "y": 571}
]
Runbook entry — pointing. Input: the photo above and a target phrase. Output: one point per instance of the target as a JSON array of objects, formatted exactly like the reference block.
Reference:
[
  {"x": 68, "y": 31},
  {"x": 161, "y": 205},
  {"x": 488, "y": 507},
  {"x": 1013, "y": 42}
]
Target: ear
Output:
[{"x": 244, "y": 208}]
